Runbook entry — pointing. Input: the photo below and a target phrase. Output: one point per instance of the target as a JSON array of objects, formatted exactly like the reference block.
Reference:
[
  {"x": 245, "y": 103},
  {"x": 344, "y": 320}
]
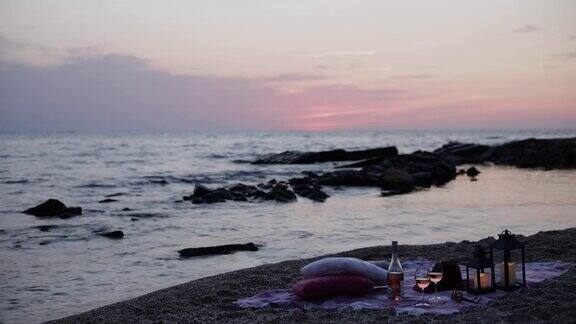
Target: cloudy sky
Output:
[{"x": 286, "y": 65}]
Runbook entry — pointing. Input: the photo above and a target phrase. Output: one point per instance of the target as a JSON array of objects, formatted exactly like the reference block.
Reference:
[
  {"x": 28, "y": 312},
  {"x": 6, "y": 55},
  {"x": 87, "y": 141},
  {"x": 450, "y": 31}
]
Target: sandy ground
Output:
[{"x": 210, "y": 299}]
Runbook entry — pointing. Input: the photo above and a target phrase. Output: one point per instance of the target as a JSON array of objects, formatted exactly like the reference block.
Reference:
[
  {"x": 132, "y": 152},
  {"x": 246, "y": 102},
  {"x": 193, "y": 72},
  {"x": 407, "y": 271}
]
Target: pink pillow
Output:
[{"x": 333, "y": 285}]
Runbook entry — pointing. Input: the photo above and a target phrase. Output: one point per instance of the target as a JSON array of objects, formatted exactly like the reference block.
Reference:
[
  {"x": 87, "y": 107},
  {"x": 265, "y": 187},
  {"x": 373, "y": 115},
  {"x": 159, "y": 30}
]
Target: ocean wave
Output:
[
  {"x": 218, "y": 156},
  {"x": 241, "y": 161},
  {"x": 164, "y": 180},
  {"x": 16, "y": 181},
  {"x": 136, "y": 161},
  {"x": 96, "y": 185},
  {"x": 144, "y": 215}
]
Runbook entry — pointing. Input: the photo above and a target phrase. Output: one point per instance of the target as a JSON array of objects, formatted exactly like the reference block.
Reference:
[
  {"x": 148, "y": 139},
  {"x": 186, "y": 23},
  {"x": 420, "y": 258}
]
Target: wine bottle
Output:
[{"x": 395, "y": 275}]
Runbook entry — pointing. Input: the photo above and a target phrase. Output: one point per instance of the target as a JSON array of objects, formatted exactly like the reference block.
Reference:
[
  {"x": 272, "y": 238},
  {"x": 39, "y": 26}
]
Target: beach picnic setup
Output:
[{"x": 413, "y": 286}]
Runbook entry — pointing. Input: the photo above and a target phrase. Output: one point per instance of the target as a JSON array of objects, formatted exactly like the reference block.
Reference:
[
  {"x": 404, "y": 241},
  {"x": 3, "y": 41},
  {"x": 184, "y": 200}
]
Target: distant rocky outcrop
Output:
[
  {"x": 295, "y": 157},
  {"x": 219, "y": 249},
  {"x": 53, "y": 208},
  {"x": 558, "y": 153},
  {"x": 536, "y": 153},
  {"x": 463, "y": 153}
]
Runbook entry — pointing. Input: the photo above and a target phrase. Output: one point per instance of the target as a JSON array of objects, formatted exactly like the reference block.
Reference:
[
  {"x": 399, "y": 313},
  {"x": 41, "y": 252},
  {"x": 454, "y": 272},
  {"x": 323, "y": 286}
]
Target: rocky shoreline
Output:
[
  {"x": 393, "y": 173},
  {"x": 210, "y": 299}
]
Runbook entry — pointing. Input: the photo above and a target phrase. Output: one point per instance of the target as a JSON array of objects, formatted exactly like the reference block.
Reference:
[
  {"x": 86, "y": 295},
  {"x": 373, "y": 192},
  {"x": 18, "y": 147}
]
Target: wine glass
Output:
[
  {"x": 422, "y": 278},
  {"x": 435, "y": 277}
]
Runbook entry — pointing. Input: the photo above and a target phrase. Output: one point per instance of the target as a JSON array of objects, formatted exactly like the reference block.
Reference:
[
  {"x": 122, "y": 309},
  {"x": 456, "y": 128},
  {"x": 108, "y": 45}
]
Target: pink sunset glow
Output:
[{"x": 314, "y": 66}]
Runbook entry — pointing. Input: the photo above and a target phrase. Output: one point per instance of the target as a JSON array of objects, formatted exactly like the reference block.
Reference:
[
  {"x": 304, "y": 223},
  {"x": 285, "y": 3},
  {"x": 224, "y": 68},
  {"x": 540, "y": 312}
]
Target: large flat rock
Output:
[{"x": 296, "y": 157}]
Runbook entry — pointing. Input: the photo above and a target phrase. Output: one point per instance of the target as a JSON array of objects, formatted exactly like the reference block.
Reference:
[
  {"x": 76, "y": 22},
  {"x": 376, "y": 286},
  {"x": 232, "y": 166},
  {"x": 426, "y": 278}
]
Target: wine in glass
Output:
[
  {"x": 422, "y": 278},
  {"x": 435, "y": 277}
]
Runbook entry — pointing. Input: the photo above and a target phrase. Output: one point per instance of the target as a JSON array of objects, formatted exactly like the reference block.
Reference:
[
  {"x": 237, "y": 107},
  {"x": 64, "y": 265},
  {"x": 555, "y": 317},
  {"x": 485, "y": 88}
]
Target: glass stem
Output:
[{"x": 435, "y": 290}]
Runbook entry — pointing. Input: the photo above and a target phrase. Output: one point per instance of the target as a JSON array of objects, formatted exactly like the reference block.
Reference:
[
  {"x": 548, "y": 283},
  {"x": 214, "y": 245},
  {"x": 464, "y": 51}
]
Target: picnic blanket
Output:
[{"x": 536, "y": 272}]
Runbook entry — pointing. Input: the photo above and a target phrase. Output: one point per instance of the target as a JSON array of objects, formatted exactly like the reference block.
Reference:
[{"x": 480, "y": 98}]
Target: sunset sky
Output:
[{"x": 286, "y": 65}]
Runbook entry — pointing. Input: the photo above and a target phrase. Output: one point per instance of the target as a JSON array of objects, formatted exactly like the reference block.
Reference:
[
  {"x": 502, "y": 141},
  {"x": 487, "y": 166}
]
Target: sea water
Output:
[{"x": 70, "y": 269}]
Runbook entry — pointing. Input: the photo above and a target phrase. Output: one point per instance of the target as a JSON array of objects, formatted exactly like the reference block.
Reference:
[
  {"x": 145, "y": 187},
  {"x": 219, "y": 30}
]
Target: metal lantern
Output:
[
  {"x": 507, "y": 255},
  {"x": 481, "y": 267}
]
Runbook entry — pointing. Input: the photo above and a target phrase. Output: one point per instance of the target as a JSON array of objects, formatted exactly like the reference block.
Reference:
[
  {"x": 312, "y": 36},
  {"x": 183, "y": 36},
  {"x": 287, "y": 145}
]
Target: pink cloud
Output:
[{"x": 124, "y": 93}]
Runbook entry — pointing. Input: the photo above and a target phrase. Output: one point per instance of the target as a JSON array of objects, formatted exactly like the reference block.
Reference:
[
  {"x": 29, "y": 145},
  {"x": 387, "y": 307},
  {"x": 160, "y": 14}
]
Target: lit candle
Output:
[
  {"x": 511, "y": 273},
  {"x": 484, "y": 281}
]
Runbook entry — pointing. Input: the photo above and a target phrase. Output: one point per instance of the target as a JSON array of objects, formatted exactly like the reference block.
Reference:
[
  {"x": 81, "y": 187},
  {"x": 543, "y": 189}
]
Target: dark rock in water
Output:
[
  {"x": 201, "y": 190},
  {"x": 293, "y": 157},
  {"x": 301, "y": 190},
  {"x": 281, "y": 193},
  {"x": 214, "y": 250},
  {"x": 223, "y": 193},
  {"x": 126, "y": 209},
  {"x": 461, "y": 172},
  {"x": 361, "y": 164},
  {"x": 53, "y": 208},
  {"x": 273, "y": 182},
  {"x": 536, "y": 153},
  {"x": 303, "y": 181},
  {"x": 381, "y": 152},
  {"x": 346, "y": 178},
  {"x": 265, "y": 186},
  {"x": 210, "y": 198},
  {"x": 115, "y": 194},
  {"x": 259, "y": 194},
  {"x": 204, "y": 195},
  {"x": 440, "y": 169},
  {"x": 557, "y": 153},
  {"x": 311, "y": 192},
  {"x": 316, "y": 194},
  {"x": 388, "y": 193},
  {"x": 113, "y": 234},
  {"x": 423, "y": 179},
  {"x": 472, "y": 172},
  {"x": 107, "y": 200},
  {"x": 238, "y": 192},
  {"x": 461, "y": 153},
  {"x": 310, "y": 174},
  {"x": 238, "y": 197},
  {"x": 46, "y": 228},
  {"x": 244, "y": 190},
  {"x": 394, "y": 179}
]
